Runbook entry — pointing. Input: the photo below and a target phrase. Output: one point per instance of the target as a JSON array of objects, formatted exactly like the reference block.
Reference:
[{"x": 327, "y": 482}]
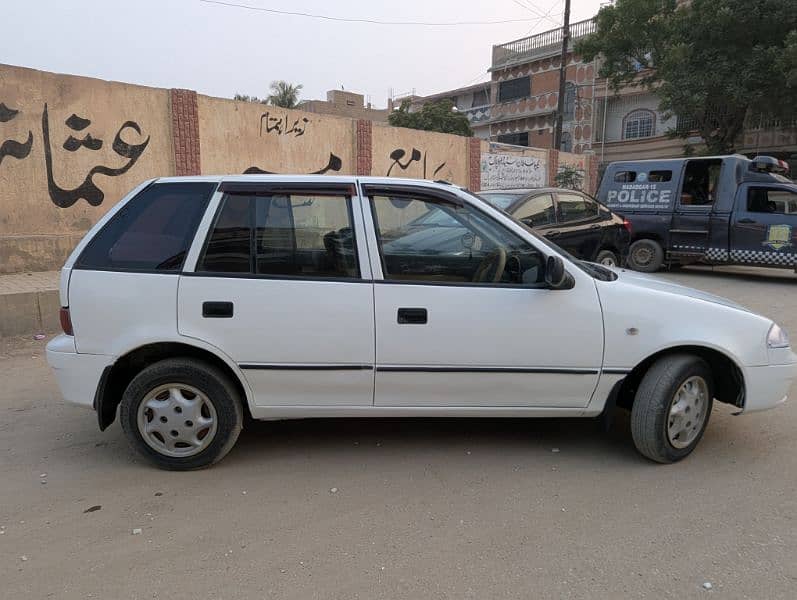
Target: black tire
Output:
[
  {"x": 646, "y": 256},
  {"x": 654, "y": 397},
  {"x": 209, "y": 380},
  {"x": 607, "y": 255}
]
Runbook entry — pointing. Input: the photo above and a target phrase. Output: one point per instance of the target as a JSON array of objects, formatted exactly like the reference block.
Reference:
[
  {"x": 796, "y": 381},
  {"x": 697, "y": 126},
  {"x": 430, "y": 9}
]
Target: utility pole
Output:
[{"x": 557, "y": 136}]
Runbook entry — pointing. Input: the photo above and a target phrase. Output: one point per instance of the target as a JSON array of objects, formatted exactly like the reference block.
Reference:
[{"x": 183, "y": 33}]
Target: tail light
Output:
[
  {"x": 627, "y": 225},
  {"x": 66, "y": 321}
]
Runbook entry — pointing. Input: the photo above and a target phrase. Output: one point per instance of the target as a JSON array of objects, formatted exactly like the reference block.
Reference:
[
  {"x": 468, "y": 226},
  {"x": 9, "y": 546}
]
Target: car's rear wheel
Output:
[
  {"x": 607, "y": 258},
  {"x": 646, "y": 256},
  {"x": 181, "y": 414},
  {"x": 672, "y": 407}
]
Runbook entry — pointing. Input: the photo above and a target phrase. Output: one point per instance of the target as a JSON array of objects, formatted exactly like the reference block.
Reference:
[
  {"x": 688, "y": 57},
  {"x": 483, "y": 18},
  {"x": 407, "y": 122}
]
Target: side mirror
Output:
[{"x": 555, "y": 275}]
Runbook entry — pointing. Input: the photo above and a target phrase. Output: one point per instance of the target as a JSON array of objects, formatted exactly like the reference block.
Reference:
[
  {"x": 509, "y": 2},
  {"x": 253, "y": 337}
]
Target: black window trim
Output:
[
  {"x": 348, "y": 191},
  {"x": 178, "y": 271},
  {"x": 370, "y": 190}
]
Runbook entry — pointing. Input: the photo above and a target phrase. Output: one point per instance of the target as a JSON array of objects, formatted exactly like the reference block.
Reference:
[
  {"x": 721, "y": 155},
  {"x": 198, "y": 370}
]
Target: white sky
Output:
[{"x": 221, "y": 50}]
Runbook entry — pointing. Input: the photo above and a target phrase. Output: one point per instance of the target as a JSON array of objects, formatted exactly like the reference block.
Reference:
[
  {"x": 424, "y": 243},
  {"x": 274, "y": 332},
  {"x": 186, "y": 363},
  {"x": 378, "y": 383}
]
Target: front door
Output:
[
  {"x": 690, "y": 228},
  {"x": 764, "y": 229},
  {"x": 281, "y": 286},
  {"x": 463, "y": 317}
]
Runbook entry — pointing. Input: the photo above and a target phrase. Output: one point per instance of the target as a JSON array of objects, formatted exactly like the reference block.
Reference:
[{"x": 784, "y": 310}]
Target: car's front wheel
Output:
[
  {"x": 181, "y": 414},
  {"x": 607, "y": 258},
  {"x": 672, "y": 407}
]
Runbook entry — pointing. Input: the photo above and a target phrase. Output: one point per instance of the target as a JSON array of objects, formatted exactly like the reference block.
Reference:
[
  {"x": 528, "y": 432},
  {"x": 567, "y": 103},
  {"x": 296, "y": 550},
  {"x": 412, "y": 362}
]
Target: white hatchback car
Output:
[{"x": 197, "y": 300}]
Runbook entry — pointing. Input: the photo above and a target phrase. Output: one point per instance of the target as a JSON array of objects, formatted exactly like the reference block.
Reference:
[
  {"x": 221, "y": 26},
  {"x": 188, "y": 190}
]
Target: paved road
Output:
[{"x": 423, "y": 509}]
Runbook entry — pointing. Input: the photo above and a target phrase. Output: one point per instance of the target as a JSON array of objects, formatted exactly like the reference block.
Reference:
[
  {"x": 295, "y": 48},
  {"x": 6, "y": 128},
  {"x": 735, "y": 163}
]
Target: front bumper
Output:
[
  {"x": 768, "y": 386},
  {"x": 77, "y": 374}
]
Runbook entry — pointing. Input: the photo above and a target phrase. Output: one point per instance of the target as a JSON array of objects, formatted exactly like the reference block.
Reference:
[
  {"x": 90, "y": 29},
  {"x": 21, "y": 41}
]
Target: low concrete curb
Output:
[{"x": 29, "y": 303}]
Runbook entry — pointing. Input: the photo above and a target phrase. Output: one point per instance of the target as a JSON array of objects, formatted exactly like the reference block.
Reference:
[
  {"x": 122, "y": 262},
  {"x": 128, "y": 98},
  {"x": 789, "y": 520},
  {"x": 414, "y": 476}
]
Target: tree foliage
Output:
[
  {"x": 569, "y": 177},
  {"x": 284, "y": 94},
  {"x": 712, "y": 63},
  {"x": 433, "y": 116},
  {"x": 246, "y": 98}
]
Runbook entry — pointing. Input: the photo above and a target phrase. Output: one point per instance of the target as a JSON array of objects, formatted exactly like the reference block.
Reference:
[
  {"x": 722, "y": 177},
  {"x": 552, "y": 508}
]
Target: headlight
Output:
[{"x": 777, "y": 338}]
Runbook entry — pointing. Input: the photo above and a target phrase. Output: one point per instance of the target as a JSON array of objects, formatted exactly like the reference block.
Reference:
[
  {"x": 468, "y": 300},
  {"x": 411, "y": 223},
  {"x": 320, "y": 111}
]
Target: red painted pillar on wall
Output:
[
  {"x": 553, "y": 166},
  {"x": 364, "y": 147},
  {"x": 185, "y": 132},
  {"x": 474, "y": 164},
  {"x": 592, "y": 186}
]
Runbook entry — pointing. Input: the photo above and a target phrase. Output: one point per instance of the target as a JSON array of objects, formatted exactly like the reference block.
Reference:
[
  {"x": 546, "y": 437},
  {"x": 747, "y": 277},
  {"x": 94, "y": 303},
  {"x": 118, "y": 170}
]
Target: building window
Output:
[
  {"x": 480, "y": 98},
  {"x": 514, "y": 89},
  {"x": 569, "y": 111},
  {"x": 516, "y": 139},
  {"x": 638, "y": 124},
  {"x": 567, "y": 142}
]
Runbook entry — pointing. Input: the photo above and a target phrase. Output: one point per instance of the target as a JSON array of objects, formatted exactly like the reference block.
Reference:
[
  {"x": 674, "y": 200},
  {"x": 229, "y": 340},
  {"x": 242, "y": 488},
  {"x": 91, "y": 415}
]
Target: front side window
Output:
[
  {"x": 536, "y": 211},
  {"x": 638, "y": 124},
  {"x": 773, "y": 201},
  {"x": 282, "y": 235},
  {"x": 574, "y": 207},
  {"x": 152, "y": 232},
  {"x": 467, "y": 248}
]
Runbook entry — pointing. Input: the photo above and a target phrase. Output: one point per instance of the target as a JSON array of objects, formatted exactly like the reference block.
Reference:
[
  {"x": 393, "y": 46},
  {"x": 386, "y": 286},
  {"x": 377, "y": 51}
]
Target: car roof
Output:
[
  {"x": 298, "y": 178},
  {"x": 530, "y": 191}
]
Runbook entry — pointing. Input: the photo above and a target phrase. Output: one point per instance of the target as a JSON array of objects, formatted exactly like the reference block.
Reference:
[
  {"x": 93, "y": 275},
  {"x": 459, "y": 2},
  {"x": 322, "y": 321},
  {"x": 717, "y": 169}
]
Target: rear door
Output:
[
  {"x": 578, "y": 225},
  {"x": 764, "y": 227},
  {"x": 281, "y": 286},
  {"x": 692, "y": 219}
]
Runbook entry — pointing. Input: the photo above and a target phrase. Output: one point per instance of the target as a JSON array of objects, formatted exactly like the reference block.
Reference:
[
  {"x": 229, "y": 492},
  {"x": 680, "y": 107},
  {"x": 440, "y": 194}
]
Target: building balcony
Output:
[{"x": 548, "y": 43}]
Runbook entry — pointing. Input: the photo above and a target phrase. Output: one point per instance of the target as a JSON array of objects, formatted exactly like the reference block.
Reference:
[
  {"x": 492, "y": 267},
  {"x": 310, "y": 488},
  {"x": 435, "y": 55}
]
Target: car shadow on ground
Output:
[{"x": 747, "y": 274}]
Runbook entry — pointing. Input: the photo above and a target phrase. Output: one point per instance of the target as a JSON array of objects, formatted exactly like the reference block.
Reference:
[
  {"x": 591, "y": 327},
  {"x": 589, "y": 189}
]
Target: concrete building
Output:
[
  {"x": 473, "y": 101},
  {"x": 345, "y": 104},
  {"x": 525, "y": 91}
]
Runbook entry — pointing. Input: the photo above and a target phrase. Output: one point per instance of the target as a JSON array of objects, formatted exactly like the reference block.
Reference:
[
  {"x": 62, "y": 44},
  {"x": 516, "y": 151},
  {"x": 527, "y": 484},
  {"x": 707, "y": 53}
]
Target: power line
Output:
[
  {"x": 363, "y": 20},
  {"x": 537, "y": 12}
]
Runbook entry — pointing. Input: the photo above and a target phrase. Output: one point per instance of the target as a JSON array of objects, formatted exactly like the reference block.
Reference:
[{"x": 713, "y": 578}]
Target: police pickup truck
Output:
[{"x": 718, "y": 210}]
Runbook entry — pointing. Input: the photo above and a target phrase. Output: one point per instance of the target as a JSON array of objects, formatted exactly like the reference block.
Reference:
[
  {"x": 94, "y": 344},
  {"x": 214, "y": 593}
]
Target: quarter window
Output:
[
  {"x": 573, "y": 207},
  {"x": 536, "y": 211},
  {"x": 638, "y": 124},
  {"x": 462, "y": 245},
  {"x": 282, "y": 235},
  {"x": 152, "y": 232},
  {"x": 773, "y": 201}
]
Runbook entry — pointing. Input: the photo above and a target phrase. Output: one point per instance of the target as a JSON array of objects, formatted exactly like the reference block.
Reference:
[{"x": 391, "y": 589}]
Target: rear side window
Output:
[
  {"x": 536, "y": 211},
  {"x": 152, "y": 232},
  {"x": 291, "y": 235},
  {"x": 573, "y": 207}
]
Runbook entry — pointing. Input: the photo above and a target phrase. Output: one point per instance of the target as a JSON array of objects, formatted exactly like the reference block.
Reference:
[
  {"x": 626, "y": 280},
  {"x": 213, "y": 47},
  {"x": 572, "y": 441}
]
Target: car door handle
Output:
[
  {"x": 217, "y": 310},
  {"x": 412, "y": 316},
  {"x": 553, "y": 233},
  {"x": 746, "y": 220}
]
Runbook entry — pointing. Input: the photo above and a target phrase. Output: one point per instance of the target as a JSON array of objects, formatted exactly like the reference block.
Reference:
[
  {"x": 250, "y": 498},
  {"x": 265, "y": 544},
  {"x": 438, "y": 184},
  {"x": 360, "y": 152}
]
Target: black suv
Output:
[{"x": 571, "y": 219}]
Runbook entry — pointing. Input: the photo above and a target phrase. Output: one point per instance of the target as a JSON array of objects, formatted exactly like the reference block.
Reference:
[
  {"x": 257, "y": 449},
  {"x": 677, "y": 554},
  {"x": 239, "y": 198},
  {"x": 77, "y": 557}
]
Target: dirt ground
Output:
[{"x": 422, "y": 509}]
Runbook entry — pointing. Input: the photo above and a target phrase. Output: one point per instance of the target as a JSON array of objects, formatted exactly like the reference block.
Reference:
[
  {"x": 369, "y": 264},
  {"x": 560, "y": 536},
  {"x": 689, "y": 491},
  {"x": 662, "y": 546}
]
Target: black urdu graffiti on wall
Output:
[
  {"x": 88, "y": 190},
  {"x": 13, "y": 148},
  {"x": 415, "y": 156},
  {"x": 279, "y": 125},
  {"x": 333, "y": 164}
]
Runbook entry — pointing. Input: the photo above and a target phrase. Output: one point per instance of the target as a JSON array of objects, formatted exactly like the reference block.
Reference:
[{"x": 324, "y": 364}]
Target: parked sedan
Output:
[{"x": 570, "y": 219}]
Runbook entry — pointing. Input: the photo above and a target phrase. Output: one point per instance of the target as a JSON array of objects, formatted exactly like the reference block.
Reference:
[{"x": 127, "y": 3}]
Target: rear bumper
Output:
[
  {"x": 768, "y": 386},
  {"x": 77, "y": 374}
]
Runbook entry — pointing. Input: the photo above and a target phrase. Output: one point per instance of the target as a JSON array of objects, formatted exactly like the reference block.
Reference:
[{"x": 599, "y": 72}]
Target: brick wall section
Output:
[
  {"x": 592, "y": 185},
  {"x": 474, "y": 163},
  {"x": 185, "y": 132},
  {"x": 364, "y": 147},
  {"x": 553, "y": 166}
]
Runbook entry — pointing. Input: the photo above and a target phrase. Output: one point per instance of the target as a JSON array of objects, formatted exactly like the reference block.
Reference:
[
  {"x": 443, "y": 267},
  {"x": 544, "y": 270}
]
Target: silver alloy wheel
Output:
[
  {"x": 687, "y": 412},
  {"x": 177, "y": 420}
]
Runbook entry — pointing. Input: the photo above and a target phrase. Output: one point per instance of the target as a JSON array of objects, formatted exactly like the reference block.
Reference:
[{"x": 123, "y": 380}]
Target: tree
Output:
[
  {"x": 712, "y": 63},
  {"x": 569, "y": 177},
  {"x": 245, "y": 98},
  {"x": 433, "y": 116},
  {"x": 284, "y": 94}
]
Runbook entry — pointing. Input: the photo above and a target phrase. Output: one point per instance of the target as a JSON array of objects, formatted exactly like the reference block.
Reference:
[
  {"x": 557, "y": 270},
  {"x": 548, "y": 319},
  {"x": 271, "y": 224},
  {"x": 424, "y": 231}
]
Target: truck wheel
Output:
[
  {"x": 181, "y": 414},
  {"x": 607, "y": 258},
  {"x": 672, "y": 407},
  {"x": 646, "y": 256}
]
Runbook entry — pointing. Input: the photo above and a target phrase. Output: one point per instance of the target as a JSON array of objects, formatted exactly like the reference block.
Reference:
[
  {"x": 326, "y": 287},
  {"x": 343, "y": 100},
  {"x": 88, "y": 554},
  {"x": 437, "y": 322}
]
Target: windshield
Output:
[{"x": 501, "y": 200}]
